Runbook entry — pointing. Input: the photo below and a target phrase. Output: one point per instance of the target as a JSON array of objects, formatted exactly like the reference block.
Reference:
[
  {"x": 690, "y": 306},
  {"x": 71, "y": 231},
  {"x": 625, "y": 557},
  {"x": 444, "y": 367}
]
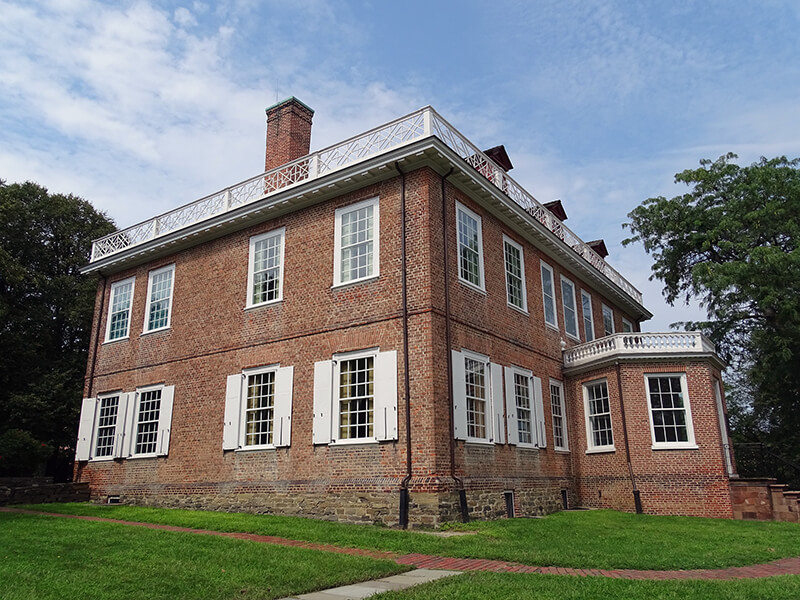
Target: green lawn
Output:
[
  {"x": 43, "y": 558},
  {"x": 588, "y": 539},
  {"x": 509, "y": 586}
]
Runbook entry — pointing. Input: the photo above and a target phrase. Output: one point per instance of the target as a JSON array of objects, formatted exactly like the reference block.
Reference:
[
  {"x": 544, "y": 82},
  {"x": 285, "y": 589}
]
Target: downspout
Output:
[
  {"x": 462, "y": 493},
  {"x": 404, "y": 292},
  {"x": 637, "y": 501},
  {"x": 97, "y": 337}
]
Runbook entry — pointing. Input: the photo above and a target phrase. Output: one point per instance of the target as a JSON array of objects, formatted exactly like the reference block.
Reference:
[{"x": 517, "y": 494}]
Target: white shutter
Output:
[
  {"x": 459, "y": 397},
  {"x": 282, "y": 422},
  {"x": 165, "y": 420},
  {"x": 122, "y": 416},
  {"x": 129, "y": 437},
  {"x": 539, "y": 417},
  {"x": 233, "y": 404},
  {"x": 496, "y": 413},
  {"x": 511, "y": 407},
  {"x": 323, "y": 398},
  {"x": 83, "y": 447},
  {"x": 385, "y": 405}
]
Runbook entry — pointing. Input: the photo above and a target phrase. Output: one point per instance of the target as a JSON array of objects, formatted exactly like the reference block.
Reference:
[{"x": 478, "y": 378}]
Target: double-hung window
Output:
[
  {"x": 588, "y": 316},
  {"x": 355, "y": 398},
  {"x": 125, "y": 425},
  {"x": 599, "y": 435},
  {"x": 515, "y": 275},
  {"x": 258, "y": 409},
  {"x": 118, "y": 324},
  {"x": 559, "y": 415},
  {"x": 477, "y": 398},
  {"x": 670, "y": 416},
  {"x": 470, "y": 247},
  {"x": 265, "y": 272},
  {"x": 357, "y": 242},
  {"x": 608, "y": 320},
  {"x": 549, "y": 295},
  {"x": 159, "y": 299},
  {"x": 524, "y": 408},
  {"x": 570, "y": 313},
  {"x": 627, "y": 326}
]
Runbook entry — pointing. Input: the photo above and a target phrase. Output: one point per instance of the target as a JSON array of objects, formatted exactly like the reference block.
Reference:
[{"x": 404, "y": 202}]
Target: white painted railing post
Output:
[
  {"x": 155, "y": 230},
  {"x": 313, "y": 166},
  {"x": 228, "y": 199},
  {"x": 426, "y": 122}
]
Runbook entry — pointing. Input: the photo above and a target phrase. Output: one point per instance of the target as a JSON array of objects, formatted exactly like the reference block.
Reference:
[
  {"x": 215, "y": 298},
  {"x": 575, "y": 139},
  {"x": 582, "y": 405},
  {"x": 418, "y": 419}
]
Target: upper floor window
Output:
[
  {"x": 559, "y": 415},
  {"x": 570, "y": 314},
  {"x": 515, "y": 274},
  {"x": 470, "y": 247},
  {"x": 357, "y": 242},
  {"x": 119, "y": 310},
  {"x": 588, "y": 316},
  {"x": 265, "y": 272},
  {"x": 548, "y": 295},
  {"x": 608, "y": 320},
  {"x": 627, "y": 326},
  {"x": 159, "y": 299},
  {"x": 599, "y": 436},
  {"x": 258, "y": 409},
  {"x": 670, "y": 417}
]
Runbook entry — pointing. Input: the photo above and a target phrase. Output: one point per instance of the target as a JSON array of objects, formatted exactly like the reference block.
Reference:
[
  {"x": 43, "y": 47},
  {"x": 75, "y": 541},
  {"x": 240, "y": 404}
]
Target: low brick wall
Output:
[{"x": 33, "y": 491}]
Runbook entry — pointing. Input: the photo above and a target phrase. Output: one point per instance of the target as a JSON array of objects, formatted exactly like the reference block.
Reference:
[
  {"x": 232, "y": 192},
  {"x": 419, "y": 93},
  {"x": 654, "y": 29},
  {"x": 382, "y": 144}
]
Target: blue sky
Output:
[{"x": 140, "y": 107}]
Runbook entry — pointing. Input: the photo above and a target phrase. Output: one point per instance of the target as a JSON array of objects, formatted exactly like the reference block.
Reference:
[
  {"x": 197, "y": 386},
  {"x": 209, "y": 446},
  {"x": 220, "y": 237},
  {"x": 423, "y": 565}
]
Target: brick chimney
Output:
[{"x": 288, "y": 132}]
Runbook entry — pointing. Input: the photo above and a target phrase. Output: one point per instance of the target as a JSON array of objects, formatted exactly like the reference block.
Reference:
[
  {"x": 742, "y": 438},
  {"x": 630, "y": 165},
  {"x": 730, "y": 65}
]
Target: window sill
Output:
[
  {"x": 254, "y": 448},
  {"x": 675, "y": 447},
  {"x": 552, "y": 327},
  {"x": 528, "y": 447},
  {"x": 523, "y": 311},
  {"x": 138, "y": 456},
  {"x": 263, "y": 304},
  {"x": 472, "y": 286},
  {"x": 601, "y": 450},
  {"x": 573, "y": 337},
  {"x": 344, "y": 284},
  {"x": 102, "y": 459},
  {"x": 479, "y": 442},
  {"x": 167, "y": 328},
  {"x": 561, "y": 450},
  {"x": 119, "y": 339},
  {"x": 354, "y": 442}
]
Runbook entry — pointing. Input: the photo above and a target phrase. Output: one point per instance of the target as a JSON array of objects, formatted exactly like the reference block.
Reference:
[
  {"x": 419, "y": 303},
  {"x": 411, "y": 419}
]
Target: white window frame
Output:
[
  {"x": 690, "y": 444},
  {"x": 326, "y": 415},
  {"x": 481, "y": 285},
  {"x": 115, "y": 287},
  {"x": 507, "y": 241},
  {"x": 627, "y": 326},
  {"x": 588, "y": 320},
  {"x": 119, "y": 420},
  {"x": 610, "y": 311},
  {"x": 590, "y": 445},
  {"x": 276, "y": 233},
  {"x": 494, "y": 418},
  {"x": 511, "y": 372},
  {"x": 150, "y": 277},
  {"x": 547, "y": 268},
  {"x": 564, "y": 446},
  {"x": 234, "y": 436},
  {"x": 163, "y": 425},
  {"x": 376, "y": 242},
  {"x": 571, "y": 297}
]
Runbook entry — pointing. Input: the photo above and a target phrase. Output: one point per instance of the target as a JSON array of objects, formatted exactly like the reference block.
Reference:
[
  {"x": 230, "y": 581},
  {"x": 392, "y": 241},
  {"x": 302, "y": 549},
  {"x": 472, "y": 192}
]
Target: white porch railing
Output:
[
  {"x": 421, "y": 124},
  {"x": 631, "y": 344}
]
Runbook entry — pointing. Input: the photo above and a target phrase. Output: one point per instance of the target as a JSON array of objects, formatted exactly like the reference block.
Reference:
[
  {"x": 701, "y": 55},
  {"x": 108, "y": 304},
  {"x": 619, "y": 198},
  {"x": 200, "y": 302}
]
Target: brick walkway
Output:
[{"x": 784, "y": 566}]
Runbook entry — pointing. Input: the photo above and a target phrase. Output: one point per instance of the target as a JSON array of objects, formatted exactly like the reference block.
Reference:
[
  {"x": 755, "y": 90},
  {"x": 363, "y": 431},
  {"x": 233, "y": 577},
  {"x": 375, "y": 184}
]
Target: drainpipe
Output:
[
  {"x": 637, "y": 501},
  {"x": 97, "y": 337},
  {"x": 462, "y": 493},
  {"x": 407, "y": 382}
]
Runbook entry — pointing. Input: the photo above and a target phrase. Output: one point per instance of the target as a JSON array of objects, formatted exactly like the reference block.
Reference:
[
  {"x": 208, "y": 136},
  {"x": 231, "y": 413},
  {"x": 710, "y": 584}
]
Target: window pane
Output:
[
  {"x": 147, "y": 428},
  {"x": 568, "y": 299},
  {"x": 106, "y": 426},
  {"x": 475, "y": 373},
  {"x": 524, "y": 413},
  {"x": 588, "y": 321},
  {"x": 469, "y": 249},
  {"x": 160, "y": 293},
  {"x": 668, "y": 409},
  {"x": 559, "y": 425},
  {"x": 120, "y": 310},
  {"x": 548, "y": 296},
  {"x": 514, "y": 282},
  {"x": 267, "y": 269},
  {"x": 260, "y": 409},
  {"x": 357, "y": 235},
  {"x": 599, "y": 415}
]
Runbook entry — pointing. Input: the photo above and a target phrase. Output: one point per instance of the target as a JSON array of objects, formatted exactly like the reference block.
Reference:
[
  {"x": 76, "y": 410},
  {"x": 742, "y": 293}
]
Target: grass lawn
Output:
[
  {"x": 583, "y": 539},
  {"x": 43, "y": 558},
  {"x": 508, "y": 586}
]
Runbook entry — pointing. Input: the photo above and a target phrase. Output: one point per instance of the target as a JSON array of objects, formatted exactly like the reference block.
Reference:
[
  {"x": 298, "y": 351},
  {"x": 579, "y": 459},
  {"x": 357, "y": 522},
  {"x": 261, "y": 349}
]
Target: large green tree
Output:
[
  {"x": 731, "y": 241},
  {"x": 45, "y": 312}
]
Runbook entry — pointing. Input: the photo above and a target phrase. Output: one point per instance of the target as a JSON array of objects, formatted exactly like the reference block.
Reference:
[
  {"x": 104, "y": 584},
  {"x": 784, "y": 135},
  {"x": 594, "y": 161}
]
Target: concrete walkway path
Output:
[
  {"x": 368, "y": 588},
  {"x": 784, "y": 566}
]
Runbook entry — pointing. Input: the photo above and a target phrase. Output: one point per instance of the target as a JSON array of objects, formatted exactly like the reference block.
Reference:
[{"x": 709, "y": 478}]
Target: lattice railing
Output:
[
  {"x": 673, "y": 342},
  {"x": 423, "y": 123}
]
